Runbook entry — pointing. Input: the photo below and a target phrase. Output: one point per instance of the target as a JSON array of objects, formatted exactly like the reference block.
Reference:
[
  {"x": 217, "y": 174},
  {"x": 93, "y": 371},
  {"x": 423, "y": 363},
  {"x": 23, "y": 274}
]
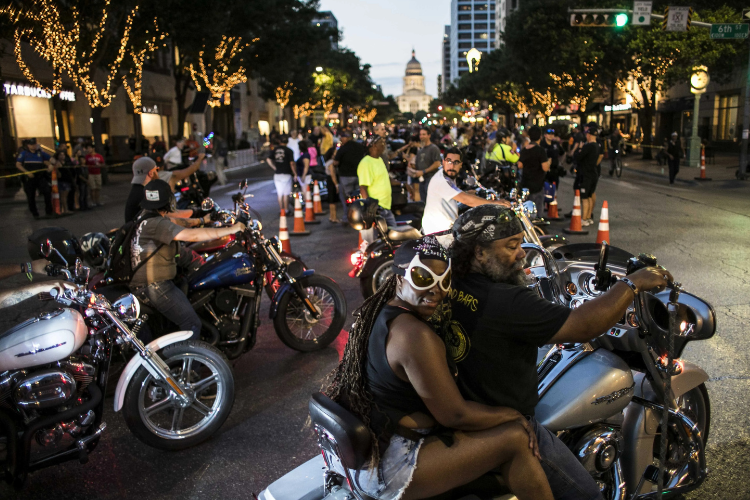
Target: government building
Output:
[{"x": 414, "y": 97}]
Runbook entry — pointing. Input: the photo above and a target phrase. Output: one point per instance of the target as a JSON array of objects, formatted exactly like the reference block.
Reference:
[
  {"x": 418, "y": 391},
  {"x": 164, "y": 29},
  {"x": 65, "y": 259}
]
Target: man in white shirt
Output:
[
  {"x": 443, "y": 197},
  {"x": 293, "y": 144},
  {"x": 173, "y": 157}
]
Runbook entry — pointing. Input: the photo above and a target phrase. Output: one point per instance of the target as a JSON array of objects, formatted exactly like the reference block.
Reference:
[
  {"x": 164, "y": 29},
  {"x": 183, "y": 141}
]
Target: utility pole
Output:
[{"x": 742, "y": 173}]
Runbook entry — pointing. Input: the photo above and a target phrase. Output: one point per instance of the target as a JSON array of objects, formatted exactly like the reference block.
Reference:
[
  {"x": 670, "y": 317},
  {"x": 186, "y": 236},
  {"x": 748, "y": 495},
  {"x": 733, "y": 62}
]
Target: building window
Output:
[
  {"x": 463, "y": 54},
  {"x": 462, "y": 72},
  {"x": 464, "y": 26},
  {"x": 464, "y": 7},
  {"x": 464, "y": 17},
  {"x": 492, "y": 26},
  {"x": 482, "y": 6},
  {"x": 513, "y": 4},
  {"x": 728, "y": 106},
  {"x": 464, "y": 36},
  {"x": 480, "y": 26},
  {"x": 481, "y": 36},
  {"x": 492, "y": 35},
  {"x": 464, "y": 45},
  {"x": 480, "y": 16},
  {"x": 492, "y": 45},
  {"x": 463, "y": 64}
]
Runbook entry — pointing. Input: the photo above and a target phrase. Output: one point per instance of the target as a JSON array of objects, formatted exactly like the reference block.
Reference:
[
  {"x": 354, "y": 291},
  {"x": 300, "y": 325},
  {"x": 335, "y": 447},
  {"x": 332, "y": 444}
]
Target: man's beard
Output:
[
  {"x": 513, "y": 275},
  {"x": 451, "y": 174}
]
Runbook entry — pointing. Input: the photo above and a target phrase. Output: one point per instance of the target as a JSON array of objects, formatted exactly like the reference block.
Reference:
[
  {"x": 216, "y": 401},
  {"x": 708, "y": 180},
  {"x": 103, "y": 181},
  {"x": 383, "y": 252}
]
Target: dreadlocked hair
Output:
[
  {"x": 348, "y": 381},
  {"x": 462, "y": 255}
]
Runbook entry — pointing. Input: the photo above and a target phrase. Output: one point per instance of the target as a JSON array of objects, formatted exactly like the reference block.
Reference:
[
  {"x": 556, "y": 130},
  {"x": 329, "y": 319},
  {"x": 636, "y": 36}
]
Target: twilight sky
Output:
[{"x": 383, "y": 32}]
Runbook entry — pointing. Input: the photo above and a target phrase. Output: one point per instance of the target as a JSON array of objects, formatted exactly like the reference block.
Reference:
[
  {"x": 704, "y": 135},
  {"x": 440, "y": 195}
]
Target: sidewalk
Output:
[{"x": 722, "y": 168}]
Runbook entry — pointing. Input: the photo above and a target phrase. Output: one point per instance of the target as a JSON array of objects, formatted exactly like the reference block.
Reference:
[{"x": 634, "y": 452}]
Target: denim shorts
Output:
[{"x": 394, "y": 472}]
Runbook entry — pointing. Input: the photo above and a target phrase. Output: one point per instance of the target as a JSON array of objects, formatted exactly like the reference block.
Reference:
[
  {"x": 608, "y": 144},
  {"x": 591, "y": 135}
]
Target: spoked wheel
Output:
[
  {"x": 370, "y": 285},
  {"x": 298, "y": 328},
  {"x": 155, "y": 415},
  {"x": 618, "y": 166}
]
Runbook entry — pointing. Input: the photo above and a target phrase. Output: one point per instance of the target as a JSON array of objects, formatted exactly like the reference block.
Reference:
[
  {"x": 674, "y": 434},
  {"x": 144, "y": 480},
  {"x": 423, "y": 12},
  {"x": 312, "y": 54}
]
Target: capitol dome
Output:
[{"x": 413, "y": 67}]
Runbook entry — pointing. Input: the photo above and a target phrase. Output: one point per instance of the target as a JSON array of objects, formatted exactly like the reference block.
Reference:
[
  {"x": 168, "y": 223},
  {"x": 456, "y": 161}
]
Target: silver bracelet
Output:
[{"x": 630, "y": 284}]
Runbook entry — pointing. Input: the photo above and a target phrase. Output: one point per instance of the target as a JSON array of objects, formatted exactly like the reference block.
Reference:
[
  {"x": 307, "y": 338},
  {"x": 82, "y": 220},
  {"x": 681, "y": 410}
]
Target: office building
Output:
[
  {"x": 472, "y": 26},
  {"x": 328, "y": 20},
  {"x": 503, "y": 10},
  {"x": 446, "y": 57}
]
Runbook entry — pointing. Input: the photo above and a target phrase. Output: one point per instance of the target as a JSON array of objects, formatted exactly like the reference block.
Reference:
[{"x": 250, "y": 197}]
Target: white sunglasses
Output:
[{"x": 422, "y": 277}]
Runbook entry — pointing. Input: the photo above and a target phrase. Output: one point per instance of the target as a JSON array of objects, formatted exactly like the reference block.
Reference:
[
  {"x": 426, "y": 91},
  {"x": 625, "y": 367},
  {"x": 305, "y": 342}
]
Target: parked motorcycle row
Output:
[{"x": 174, "y": 393}]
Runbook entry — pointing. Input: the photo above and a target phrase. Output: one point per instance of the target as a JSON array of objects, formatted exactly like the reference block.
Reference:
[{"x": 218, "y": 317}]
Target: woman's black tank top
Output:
[{"x": 393, "y": 397}]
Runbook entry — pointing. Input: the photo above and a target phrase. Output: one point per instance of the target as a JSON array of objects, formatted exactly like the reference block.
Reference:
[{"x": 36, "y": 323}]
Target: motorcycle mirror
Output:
[
  {"x": 207, "y": 205},
  {"x": 46, "y": 248}
]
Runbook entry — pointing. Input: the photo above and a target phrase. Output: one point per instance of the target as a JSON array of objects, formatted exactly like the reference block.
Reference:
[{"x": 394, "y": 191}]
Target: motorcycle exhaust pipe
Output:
[
  {"x": 209, "y": 328},
  {"x": 237, "y": 351}
]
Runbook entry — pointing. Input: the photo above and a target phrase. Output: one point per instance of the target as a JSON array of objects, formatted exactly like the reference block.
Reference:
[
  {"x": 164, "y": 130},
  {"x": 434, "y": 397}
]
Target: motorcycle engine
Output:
[
  {"x": 599, "y": 448},
  {"x": 226, "y": 302},
  {"x": 44, "y": 389}
]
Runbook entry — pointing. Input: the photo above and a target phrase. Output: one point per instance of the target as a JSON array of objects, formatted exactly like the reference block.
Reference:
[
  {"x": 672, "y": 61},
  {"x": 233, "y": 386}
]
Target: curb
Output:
[{"x": 660, "y": 176}]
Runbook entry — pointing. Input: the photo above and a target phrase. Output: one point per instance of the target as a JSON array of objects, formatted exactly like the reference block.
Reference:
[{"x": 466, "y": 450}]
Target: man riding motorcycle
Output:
[
  {"x": 153, "y": 256},
  {"x": 443, "y": 197},
  {"x": 496, "y": 323}
]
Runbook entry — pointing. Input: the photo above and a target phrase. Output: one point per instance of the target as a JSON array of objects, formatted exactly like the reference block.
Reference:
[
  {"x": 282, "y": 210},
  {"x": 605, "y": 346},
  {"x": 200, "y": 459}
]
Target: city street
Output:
[{"x": 700, "y": 232}]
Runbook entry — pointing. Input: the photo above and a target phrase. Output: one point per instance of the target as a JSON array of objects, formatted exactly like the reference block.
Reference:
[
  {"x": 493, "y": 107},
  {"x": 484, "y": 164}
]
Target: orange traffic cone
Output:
[
  {"x": 286, "y": 245},
  {"x": 575, "y": 219},
  {"x": 703, "y": 166},
  {"x": 603, "y": 234},
  {"x": 299, "y": 220},
  {"x": 552, "y": 208},
  {"x": 309, "y": 212},
  {"x": 55, "y": 194},
  {"x": 317, "y": 203}
]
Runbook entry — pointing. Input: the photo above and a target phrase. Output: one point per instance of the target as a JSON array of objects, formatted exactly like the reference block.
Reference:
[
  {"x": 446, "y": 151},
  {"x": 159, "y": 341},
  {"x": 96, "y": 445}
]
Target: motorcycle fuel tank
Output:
[
  {"x": 221, "y": 270},
  {"x": 591, "y": 390},
  {"x": 44, "y": 339}
]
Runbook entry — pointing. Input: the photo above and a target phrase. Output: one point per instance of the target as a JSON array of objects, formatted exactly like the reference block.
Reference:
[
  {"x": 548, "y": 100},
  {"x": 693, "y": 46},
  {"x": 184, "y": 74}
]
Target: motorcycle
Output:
[
  {"x": 225, "y": 288},
  {"x": 173, "y": 393},
  {"x": 633, "y": 412}
]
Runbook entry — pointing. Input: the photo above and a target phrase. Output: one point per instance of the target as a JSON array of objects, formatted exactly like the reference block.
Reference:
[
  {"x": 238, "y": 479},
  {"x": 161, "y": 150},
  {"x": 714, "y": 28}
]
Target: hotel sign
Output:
[{"x": 12, "y": 88}]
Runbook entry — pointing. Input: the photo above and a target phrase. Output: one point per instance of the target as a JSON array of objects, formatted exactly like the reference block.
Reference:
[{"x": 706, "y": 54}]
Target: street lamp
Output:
[
  {"x": 473, "y": 57},
  {"x": 319, "y": 69},
  {"x": 698, "y": 83}
]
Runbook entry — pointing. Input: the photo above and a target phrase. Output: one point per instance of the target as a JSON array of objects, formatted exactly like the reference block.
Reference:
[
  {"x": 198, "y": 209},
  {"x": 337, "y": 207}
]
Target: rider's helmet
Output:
[
  {"x": 95, "y": 248},
  {"x": 159, "y": 196},
  {"x": 361, "y": 213}
]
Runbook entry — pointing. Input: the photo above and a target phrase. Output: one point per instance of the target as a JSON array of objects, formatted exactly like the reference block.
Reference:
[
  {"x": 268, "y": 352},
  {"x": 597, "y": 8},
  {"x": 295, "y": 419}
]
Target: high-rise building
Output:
[
  {"x": 472, "y": 26},
  {"x": 446, "y": 56},
  {"x": 503, "y": 10},
  {"x": 328, "y": 20}
]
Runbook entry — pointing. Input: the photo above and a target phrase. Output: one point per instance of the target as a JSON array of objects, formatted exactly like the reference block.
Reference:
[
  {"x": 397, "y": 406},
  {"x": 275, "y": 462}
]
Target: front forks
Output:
[{"x": 152, "y": 362}]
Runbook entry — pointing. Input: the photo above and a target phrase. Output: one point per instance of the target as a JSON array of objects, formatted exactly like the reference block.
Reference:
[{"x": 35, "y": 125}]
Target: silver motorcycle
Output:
[
  {"x": 174, "y": 393},
  {"x": 634, "y": 413}
]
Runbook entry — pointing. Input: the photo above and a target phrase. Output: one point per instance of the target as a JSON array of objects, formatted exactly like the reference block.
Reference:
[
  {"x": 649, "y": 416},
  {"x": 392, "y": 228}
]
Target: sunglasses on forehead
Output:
[{"x": 421, "y": 277}]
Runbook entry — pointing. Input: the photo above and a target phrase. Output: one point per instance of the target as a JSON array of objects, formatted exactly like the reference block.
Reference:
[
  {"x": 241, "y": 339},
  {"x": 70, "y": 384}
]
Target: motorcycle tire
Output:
[
  {"x": 323, "y": 291},
  {"x": 178, "y": 357},
  {"x": 697, "y": 406},
  {"x": 368, "y": 286}
]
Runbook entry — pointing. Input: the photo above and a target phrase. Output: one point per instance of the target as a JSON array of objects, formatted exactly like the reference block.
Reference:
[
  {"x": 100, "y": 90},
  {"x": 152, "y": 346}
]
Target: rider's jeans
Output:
[
  {"x": 165, "y": 297},
  {"x": 567, "y": 477}
]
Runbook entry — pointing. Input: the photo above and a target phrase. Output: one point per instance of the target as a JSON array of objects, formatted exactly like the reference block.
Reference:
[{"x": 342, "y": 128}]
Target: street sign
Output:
[
  {"x": 746, "y": 15},
  {"x": 729, "y": 31},
  {"x": 641, "y": 13},
  {"x": 678, "y": 18}
]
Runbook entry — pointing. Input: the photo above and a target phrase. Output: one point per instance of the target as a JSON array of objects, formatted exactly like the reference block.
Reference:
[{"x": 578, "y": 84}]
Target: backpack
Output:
[{"x": 119, "y": 267}]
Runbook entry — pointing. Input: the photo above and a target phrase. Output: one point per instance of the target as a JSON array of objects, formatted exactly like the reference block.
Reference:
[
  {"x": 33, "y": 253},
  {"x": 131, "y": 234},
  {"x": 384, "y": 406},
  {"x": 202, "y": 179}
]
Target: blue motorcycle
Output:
[{"x": 225, "y": 288}]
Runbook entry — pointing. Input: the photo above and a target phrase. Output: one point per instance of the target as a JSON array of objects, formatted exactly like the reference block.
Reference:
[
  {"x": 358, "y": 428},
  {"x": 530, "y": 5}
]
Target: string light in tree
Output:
[
  {"x": 301, "y": 111},
  {"x": 283, "y": 94},
  {"x": 136, "y": 72},
  {"x": 216, "y": 77}
]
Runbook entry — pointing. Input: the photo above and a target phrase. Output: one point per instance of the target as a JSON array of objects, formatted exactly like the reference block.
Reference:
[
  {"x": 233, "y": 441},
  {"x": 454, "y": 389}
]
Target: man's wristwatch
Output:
[{"x": 630, "y": 284}]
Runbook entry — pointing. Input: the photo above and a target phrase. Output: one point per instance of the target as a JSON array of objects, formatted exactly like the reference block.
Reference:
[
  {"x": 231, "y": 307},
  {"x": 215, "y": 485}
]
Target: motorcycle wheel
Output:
[
  {"x": 368, "y": 286},
  {"x": 296, "y": 327},
  {"x": 156, "y": 419},
  {"x": 696, "y": 405},
  {"x": 618, "y": 167}
]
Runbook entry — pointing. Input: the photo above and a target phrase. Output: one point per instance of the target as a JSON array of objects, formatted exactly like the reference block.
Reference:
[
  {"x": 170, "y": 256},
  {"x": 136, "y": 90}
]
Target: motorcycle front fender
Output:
[
  {"x": 385, "y": 253},
  {"x": 283, "y": 290},
  {"x": 137, "y": 361},
  {"x": 302, "y": 483}
]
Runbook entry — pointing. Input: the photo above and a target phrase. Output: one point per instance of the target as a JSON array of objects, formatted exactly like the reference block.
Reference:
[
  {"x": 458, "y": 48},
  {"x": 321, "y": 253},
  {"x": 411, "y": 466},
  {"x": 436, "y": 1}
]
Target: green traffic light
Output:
[{"x": 621, "y": 20}]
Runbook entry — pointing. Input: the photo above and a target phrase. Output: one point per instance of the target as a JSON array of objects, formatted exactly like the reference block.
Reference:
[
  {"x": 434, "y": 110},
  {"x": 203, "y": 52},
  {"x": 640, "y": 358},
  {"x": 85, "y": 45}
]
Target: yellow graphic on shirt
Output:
[
  {"x": 465, "y": 299},
  {"x": 456, "y": 341}
]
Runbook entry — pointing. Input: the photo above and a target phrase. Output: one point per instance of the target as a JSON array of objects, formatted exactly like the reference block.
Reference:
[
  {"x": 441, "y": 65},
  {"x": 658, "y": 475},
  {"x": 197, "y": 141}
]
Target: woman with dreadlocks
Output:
[{"x": 395, "y": 377}]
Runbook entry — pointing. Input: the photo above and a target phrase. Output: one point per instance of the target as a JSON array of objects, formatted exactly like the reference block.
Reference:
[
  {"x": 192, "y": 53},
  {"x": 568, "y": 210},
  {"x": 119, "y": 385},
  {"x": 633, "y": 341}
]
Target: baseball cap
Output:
[
  {"x": 141, "y": 167},
  {"x": 492, "y": 136},
  {"x": 158, "y": 195}
]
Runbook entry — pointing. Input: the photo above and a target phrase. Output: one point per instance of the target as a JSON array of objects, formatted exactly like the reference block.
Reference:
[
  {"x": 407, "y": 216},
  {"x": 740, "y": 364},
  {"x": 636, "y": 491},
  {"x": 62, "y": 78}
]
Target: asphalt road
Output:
[{"x": 700, "y": 233}]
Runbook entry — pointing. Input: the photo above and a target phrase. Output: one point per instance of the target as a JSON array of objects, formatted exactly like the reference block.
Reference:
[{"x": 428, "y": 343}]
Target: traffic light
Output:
[{"x": 611, "y": 20}]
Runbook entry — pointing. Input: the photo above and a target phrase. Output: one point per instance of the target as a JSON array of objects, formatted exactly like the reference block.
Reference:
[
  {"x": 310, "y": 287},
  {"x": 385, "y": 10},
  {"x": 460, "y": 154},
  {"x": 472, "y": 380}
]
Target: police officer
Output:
[{"x": 37, "y": 166}]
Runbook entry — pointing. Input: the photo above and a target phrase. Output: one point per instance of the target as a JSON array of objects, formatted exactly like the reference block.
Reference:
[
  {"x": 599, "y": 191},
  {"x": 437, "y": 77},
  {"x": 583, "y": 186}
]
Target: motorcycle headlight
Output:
[{"x": 127, "y": 307}]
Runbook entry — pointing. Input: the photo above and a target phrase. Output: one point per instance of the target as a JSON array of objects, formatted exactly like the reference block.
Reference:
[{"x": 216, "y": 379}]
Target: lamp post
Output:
[
  {"x": 473, "y": 57},
  {"x": 698, "y": 83}
]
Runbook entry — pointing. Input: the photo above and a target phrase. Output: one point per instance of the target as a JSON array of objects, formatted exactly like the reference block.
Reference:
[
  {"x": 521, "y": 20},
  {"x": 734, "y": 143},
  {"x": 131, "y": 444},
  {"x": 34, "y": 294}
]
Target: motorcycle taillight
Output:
[{"x": 356, "y": 258}]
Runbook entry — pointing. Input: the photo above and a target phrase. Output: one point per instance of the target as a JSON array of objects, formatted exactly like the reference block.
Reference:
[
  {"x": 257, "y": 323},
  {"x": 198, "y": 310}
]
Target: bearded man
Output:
[{"x": 497, "y": 323}]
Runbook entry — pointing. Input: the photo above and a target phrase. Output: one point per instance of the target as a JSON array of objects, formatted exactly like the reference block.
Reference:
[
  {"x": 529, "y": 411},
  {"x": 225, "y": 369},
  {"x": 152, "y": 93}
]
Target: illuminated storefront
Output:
[{"x": 31, "y": 113}]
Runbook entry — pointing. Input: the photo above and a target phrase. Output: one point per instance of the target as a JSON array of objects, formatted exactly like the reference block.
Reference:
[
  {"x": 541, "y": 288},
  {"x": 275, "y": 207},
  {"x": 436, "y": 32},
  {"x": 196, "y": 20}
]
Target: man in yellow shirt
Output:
[{"x": 374, "y": 182}]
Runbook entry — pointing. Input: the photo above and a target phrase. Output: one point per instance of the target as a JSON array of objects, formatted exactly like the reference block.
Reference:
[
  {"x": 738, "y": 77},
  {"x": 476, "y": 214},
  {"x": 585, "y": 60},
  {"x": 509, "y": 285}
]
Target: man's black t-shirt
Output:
[
  {"x": 586, "y": 159},
  {"x": 133, "y": 203},
  {"x": 349, "y": 155},
  {"x": 533, "y": 174},
  {"x": 493, "y": 334},
  {"x": 282, "y": 157}
]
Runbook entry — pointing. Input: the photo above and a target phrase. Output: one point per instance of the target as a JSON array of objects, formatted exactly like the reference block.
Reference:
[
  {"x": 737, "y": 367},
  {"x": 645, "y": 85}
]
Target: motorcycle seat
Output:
[
  {"x": 403, "y": 233},
  {"x": 346, "y": 436}
]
